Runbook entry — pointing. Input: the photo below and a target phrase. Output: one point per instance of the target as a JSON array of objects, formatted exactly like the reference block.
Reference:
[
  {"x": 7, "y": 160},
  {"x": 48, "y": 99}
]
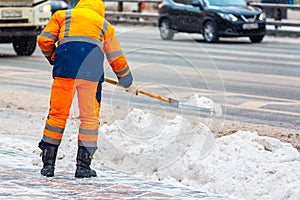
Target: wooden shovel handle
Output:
[
  {"x": 152, "y": 95},
  {"x": 111, "y": 81},
  {"x": 149, "y": 94}
]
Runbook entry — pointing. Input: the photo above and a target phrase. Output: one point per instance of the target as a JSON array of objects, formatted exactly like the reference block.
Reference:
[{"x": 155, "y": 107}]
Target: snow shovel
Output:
[{"x": 171, "y": 101}]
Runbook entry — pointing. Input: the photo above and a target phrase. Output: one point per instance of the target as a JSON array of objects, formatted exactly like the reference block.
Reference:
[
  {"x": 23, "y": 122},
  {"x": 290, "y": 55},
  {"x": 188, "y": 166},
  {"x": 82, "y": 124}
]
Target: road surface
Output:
[{"x": 255, "y": 83}]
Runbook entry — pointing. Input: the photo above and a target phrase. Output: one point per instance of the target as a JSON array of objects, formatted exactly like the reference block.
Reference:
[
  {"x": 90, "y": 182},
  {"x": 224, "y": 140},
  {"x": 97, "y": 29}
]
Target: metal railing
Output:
[
  {"x": 132, "y": 17},
  {"x": 278, "y": 20},
  {"x": 139, "y": 2}
]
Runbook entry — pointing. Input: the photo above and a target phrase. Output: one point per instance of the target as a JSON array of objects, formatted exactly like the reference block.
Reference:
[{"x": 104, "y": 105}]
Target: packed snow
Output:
[
  {"x": 243, "y": 165},
  {"x": 203, "y": 102}
]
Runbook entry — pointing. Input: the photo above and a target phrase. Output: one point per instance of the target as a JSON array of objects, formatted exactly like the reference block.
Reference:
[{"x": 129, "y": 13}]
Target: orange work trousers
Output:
[{"x": 62, "y": 94}]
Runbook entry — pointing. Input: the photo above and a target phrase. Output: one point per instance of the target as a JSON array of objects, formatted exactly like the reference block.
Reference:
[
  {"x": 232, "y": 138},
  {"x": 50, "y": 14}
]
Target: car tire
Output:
[
  {"x": 24, "y": 46},
  {"x": 165, "y": 32},
  {"x": 256, "y": 39},
  {"x": 210, "y": 32}
]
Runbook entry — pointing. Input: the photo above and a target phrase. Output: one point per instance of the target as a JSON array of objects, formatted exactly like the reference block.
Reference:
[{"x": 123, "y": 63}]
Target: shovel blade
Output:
[
  {"x": 195, "y": 108},
  {"x": 177, "y": 104}
]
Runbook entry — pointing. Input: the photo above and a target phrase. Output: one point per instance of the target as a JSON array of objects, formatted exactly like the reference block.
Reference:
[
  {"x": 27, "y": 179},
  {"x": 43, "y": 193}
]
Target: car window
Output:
[
  {"x": 226, "y": 3},
  {"x": 184, "y": 1},
  {"x": 179, "y": 1},
  {"x": 189, "y": 2}
]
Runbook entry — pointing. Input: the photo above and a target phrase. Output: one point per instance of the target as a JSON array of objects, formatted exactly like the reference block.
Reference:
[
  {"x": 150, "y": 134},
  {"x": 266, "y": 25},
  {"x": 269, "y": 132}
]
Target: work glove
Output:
[
  {"x": 49, "y": 60},
  {"x": 132, "y": 89}
]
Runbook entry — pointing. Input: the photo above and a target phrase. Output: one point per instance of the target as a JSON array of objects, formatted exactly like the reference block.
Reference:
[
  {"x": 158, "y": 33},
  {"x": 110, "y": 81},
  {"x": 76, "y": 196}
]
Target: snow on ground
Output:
[{"x": 242, "y": 165}]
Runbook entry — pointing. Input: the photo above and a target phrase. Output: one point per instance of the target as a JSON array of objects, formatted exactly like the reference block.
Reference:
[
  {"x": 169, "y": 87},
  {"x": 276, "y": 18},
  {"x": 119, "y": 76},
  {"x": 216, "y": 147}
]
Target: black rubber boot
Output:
[
  {"x": 48, "y": 157},
  {"x": 84, "y": 158}
]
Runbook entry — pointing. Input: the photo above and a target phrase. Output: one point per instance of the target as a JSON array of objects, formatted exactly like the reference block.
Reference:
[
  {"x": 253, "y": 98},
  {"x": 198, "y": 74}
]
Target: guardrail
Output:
[
  {"x": 132, "y": 17},
  {"x": 277, "y": 21},
  {"x": 151, "y": 18},
  {"x": 139, "y": 2}
]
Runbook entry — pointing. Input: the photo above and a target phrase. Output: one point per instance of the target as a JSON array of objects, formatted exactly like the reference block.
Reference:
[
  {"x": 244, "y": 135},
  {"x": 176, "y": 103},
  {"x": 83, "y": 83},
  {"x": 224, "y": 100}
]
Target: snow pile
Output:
[
  {"x": 215, "y": 120},
  {"x": 243, "y": 165},
  {"x": 204, "y": 102},
  {"x": 143, "y": 142}
]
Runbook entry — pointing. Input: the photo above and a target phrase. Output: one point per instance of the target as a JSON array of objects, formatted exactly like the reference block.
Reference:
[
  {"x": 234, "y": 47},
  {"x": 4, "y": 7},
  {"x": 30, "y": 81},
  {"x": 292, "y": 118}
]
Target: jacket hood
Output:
[{"x": 96, "y": 5}]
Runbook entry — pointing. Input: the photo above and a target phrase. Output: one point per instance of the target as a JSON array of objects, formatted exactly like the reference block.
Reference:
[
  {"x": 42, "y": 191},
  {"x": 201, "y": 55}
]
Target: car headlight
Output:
[
  {"x": 45, "y": 8},
  {"x": 229, "y": 17},
  {"x": 262, "y": 16}
]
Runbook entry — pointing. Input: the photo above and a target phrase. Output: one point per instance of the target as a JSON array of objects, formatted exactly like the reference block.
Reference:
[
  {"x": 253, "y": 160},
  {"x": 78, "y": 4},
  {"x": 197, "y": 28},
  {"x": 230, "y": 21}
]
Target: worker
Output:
[{"x": 74, "y": 41}]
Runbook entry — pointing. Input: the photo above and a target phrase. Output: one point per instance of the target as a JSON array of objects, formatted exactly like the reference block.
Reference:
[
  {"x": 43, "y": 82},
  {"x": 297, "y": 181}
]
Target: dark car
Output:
[{"x": 212, "y": 18}]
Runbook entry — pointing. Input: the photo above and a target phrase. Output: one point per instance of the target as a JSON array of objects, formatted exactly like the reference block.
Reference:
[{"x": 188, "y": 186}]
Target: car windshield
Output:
[{"x": 226, "y": 2}]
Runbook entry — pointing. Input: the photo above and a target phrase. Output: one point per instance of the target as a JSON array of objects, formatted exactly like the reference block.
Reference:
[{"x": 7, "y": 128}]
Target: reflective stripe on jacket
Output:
[{"x": 83, "y": 36}]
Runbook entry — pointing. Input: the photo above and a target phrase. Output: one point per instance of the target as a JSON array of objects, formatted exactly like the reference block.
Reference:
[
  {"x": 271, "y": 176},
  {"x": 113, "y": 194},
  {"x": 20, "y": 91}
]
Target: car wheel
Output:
[
  {"x": 257, "y": 38},
  {"x": 210, "y": 32},
  {"x": 24, "y": 46},
  {"x": 165, "y": 32}
]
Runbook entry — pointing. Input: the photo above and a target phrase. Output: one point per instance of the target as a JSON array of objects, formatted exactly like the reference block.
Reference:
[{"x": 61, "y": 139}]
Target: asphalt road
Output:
[{"x": 255, "y": 83}]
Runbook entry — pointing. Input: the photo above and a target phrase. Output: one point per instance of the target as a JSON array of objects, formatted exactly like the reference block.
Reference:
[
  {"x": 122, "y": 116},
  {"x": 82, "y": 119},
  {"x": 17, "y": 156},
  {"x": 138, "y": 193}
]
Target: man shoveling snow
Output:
[{"x": 83, "y": 36}]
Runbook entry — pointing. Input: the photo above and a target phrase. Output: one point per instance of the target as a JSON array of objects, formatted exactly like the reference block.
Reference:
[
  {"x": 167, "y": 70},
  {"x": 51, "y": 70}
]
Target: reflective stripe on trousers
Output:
[{"x": 62, "y": 94}]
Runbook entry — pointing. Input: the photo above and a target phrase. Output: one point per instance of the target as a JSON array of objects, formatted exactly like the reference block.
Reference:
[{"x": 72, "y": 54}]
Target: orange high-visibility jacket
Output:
[{"x": 76, "y": 41}]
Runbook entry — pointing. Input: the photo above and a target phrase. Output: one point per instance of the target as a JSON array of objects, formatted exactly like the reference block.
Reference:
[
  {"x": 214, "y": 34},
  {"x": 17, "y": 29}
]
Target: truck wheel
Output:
[{"x": 24, "y": 46}]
